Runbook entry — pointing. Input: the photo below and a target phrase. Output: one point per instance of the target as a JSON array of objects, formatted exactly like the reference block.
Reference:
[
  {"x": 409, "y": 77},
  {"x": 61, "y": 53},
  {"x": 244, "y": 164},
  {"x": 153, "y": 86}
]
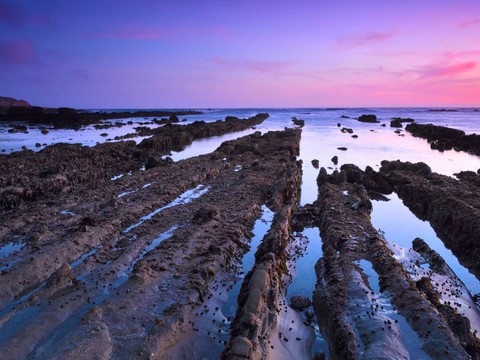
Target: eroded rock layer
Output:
[
  {"x": 120, "y": 269},
  {"x": 444, "y": 138},
  {"x": 350, "y": 309},
  {"x": 61, "y": 168},
  {"x": 451, "y": 206}
]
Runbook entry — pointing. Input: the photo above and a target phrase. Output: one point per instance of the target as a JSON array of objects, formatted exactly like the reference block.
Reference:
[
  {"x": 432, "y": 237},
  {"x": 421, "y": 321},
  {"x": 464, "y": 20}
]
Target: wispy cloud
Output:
[
  {"x": 18, "y": 52},
  {"x": 452, "y": 56},
  {"x": 443, "y": 70},
  {"x": 151, "y": 33},
  {"x": 470, "y": 23},
  {"x": 261, "y": 66},
  {"x": 364, "y": 39}
]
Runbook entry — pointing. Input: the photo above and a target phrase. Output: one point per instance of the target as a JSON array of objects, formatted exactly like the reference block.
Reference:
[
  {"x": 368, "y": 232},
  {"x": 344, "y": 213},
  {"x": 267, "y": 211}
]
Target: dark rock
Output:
[
  {"x": 205, "y": 214},
  {"x": 44, "y": 131},
  {"x": 309, "y": 314},
  {"x": 104, "y": 134},
  {"x": 38, "y": 145},
  {"x": 419, "y": 168},
  {"x": 441, "y": 145},
  {"x": 344, "y": 117},
  {"x": 347, "y": 130},
  {"x": 397, "y": 122},
  {"x": 443, "y": 138},
  {"x": 354, "y": 136},
  {"x": 173, "y": 119},
  {"x": 300, "y": 302},
  {"x": 342, "y": 148},
  {"x": 322, "y": 177},
  {"x": 319, "y": 356},
  {"x": 18, "y": 129},
  {"x": 87, "y": 221},
  {"x": 436, "y": 261},
  {"x": 368, "y": 118},
  {"x": 338, "y": 124},
  {"x": 466, "y": 175},
  {"x": 315, "y": 163},
  {"x": 61, "y": 277},
  {"x": 335, "y": 160},
  {"x": 298, "y": 122}
]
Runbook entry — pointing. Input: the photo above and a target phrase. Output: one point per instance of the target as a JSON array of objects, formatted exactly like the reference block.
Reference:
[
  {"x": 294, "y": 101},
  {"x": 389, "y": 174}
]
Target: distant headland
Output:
[{"x": 64, "y": 117}]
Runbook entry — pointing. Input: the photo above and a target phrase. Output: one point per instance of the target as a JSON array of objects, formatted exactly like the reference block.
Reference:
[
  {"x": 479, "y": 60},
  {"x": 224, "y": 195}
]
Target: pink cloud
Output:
[
  {"x": 254, "y": 65},
  {"x": 470, "y": 23},
  {"x": 364, "y": 39},
  {"x": 19, "y": 52},
  {"x": 461, "y": 54},
  {"x": 444, "y": 70}
]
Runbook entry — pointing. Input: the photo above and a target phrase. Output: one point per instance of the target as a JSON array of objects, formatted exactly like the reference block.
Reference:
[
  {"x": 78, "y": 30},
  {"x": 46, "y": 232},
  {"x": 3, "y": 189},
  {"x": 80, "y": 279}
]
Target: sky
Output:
[{"x": 240, "y": 53}]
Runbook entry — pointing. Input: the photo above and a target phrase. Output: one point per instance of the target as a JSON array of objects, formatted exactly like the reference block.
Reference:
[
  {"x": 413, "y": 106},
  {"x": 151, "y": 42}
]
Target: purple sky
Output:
[{"x": 240, "y": 53}]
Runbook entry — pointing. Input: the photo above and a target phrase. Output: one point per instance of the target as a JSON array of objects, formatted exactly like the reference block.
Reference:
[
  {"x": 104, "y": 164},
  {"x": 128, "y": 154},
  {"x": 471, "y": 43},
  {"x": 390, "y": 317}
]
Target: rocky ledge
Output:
[
  {"x": 27, "y": 175},
  {"x": 443, "y": 138},
  {"x": 138, "y": 267},
  {"x": 451, "y": 206},
  {"x": 355, "y": 312}
]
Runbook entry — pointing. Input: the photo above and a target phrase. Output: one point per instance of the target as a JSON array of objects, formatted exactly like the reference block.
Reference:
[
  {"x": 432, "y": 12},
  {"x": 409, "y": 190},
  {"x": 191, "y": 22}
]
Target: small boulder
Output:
[
  {"x": 300, "y": 302},
  {"x": 173, "y": 119},
  {"x": 335, "y": 160},
  {"x": 368, "y": 118},
  {"x": 315, "y": 163},
  {"x": 61, "y": 277},
  {"x": 298, "y": 122},
  {"x": 342, "y": 148},
  {"x": 396, "y": 123}
]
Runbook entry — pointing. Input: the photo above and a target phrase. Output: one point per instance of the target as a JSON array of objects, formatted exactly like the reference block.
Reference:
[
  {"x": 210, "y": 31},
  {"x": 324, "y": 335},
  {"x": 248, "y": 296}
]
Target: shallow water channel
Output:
[
  {"x": 304, "y": 278},
  {"x": 262, "y": 225},
  {"x": 406, "y": 227}
]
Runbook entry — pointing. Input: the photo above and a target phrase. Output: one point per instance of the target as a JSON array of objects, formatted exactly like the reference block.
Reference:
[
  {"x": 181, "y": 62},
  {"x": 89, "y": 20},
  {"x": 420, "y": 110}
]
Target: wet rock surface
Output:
[
  {"x": 261, "y": 297},
  {"x": 444, "y": 138},
  {"x": 451, "y": 206},
  {"x": 26, "y": 176},
  {"x": 117, "y": 270},
  {"x": 347, "y": 305},
  {"x": 120, "y": 252}
]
